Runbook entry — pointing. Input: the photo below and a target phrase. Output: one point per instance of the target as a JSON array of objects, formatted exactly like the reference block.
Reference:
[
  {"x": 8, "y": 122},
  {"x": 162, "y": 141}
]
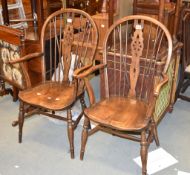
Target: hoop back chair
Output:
[
  {"x": 134, "y": 68},
  {"x": 68, "y": 41}
]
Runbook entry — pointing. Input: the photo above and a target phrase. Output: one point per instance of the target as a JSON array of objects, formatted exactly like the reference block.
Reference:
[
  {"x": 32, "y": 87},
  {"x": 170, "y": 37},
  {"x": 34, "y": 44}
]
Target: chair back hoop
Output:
[
  {"x": 69, "y": 39},
  {"x": 137, "y": 50}
]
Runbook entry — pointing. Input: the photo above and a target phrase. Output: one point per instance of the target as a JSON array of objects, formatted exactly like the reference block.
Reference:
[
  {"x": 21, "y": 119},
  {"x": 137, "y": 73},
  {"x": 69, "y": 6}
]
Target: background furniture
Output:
[
  {"x": 184, "y": 78},
  {"x": 166, "y": 12},
  {"x": 68, "y": 42},
  {"x": 30, "y": 42},
  {"x": 90, "y": 6},
  {"x": 12, "y": 47},
  {"x": 134, "y": 68},
  {"x": 102, "y": 11}
]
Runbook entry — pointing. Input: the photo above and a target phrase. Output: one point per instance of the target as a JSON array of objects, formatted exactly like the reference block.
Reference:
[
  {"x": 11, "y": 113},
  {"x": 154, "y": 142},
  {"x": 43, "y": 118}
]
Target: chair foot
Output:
[
  {"x": 15, "y": 123},
  {"x": 81, "y": 155},
  {"x": 20, "y": 138},
  {"x": 72, "y": 154},
  {"x": 20, "y": 121},
  {"x": 84, "y": 137},
  {"x": 144, "y": 152},
  {"x": 170, "y": 109},
  {"x": 156, "y": 137}
]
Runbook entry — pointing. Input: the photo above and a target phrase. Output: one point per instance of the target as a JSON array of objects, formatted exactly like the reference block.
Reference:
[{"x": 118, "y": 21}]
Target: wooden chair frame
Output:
[
  {"x": 113, "y": 121},
  {"x": 65, "y": 32}
]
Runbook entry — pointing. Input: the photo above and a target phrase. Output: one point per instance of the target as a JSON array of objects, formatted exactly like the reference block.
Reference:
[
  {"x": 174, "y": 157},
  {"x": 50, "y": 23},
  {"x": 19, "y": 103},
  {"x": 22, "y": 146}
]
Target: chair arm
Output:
[
  {"x": 26, "y": 58},
  {"x": 152, "y": 103},
  {"x": 82, "y": 73},
  {"x": 22, "y": 20},
  {"x": 160, "y": 85},
  {"x": 82, "y": 69}
]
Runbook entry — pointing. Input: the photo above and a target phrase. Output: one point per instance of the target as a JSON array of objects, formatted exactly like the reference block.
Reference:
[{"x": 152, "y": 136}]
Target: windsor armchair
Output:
[
  {"x": 68, "y": 41},
  {"x": 134, "y": 67}
]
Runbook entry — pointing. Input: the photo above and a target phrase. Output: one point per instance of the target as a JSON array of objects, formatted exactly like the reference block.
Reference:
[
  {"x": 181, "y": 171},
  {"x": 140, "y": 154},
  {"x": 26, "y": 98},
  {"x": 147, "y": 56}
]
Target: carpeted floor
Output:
[{"x": 45, "y": 148}]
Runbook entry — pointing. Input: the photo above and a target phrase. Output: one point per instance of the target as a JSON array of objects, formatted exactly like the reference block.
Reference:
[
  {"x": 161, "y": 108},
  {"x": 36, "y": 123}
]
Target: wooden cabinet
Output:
[
  {"x": 166, "y": 12},
  {"x": 90, "y": 6}
]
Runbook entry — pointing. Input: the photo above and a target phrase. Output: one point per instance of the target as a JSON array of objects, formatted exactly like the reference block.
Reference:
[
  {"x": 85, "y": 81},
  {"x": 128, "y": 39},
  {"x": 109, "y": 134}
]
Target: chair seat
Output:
[
  {"x": 50, "y": 95},
  {"x": 119, "y": 113}
]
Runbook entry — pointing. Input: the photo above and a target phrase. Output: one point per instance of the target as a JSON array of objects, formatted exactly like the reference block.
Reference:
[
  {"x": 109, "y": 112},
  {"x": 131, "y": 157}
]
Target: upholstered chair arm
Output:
[
  {"x": 26, "y": 58},
  {"x": 83, "y": 74},
  {"x": 157, "y": 89}
]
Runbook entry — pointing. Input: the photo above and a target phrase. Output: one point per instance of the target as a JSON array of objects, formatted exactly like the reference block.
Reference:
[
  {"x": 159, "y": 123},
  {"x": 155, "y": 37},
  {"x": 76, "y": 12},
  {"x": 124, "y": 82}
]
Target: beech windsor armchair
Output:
[
  {"x": 136, "y": 54},
  {"x": 68, "y": 41}
]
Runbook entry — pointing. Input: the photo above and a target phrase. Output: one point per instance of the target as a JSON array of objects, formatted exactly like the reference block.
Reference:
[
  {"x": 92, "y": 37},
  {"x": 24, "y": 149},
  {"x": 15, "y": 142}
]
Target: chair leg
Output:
[
  {"x": 21, "y": 120},
  {"x": 155, "y": 132},
  {"x": 144, "y": 152},
  {"x": 82, "y": 101},
  {"x": 70, "y": 132},
  {"x": 83, "y": 104},
  {"x": 84, "y": 137}
]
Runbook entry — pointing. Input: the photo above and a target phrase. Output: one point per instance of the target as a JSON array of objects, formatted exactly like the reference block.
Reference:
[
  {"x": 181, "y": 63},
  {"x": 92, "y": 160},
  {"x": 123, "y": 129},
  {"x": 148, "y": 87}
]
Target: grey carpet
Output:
[{"x": 45, "y": 148}]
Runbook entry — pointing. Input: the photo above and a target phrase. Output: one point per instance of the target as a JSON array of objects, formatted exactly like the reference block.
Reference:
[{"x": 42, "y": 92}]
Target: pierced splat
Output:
[
  {"x": 67, "y": 42},
  {"x": 136, "y": 50}
]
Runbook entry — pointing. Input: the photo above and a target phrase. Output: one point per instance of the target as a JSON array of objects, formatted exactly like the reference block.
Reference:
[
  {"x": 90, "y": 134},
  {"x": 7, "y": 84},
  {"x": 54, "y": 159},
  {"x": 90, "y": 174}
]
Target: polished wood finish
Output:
[
  {"x": 68, "y": 42},
  {"x": 134, "y": 68}
]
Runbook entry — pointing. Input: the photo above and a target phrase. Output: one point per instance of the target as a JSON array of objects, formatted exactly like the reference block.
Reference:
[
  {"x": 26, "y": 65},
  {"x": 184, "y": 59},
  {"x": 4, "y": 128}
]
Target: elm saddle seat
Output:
[
  {"x": 134, "y": 72},
  {"x": 68, "y": 41},
  {"x": 54, "y": 96},
  {"x": 120, "y": 108}
]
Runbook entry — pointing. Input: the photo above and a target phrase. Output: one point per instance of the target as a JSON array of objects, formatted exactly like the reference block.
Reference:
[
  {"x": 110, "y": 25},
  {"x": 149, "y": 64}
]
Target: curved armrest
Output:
[
  {"x": 160, "y": 85},
  {"x": 151, "y": 107},
  {"x": 82, "y": 73},
  {"x": 80, "y": 70},
  {"x": 22, "y": 20},
  {"x": 26, "y": 58}
]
